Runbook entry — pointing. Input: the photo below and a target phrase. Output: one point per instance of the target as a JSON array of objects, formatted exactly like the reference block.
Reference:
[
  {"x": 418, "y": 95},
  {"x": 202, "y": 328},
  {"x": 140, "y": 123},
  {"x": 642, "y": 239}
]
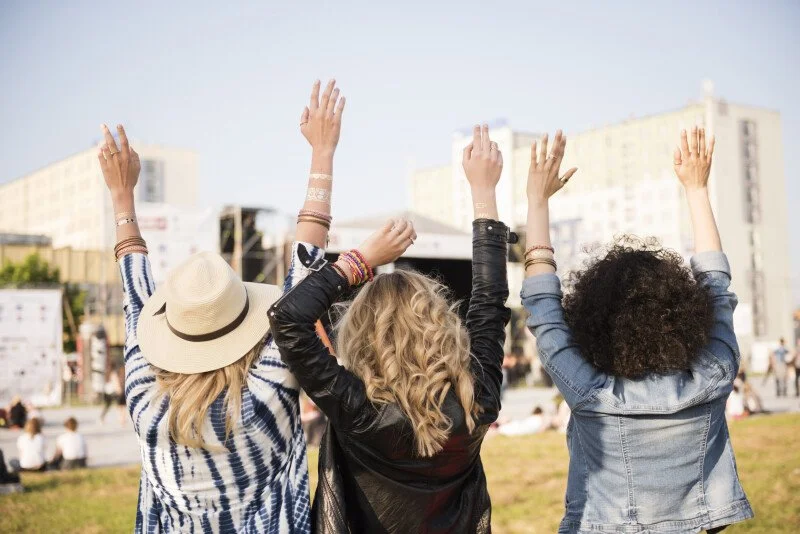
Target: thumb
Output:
[
  {"x": 676, "y": 156},
  {"x": 304, "y": 116}
]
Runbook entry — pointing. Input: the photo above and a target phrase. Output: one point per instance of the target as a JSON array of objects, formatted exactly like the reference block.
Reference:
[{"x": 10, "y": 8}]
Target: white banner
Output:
[
  {"x": 174, "y": 233},
  {"x": 30, "y": 345}
]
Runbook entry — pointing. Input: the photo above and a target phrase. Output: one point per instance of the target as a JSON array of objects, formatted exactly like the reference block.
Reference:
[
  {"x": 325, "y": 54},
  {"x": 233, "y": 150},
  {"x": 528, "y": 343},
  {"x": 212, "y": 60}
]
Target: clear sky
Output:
[{"x": 229, "y": 80}]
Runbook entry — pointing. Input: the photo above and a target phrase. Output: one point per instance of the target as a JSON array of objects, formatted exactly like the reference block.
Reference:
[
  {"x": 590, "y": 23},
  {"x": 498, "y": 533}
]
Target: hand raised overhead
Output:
[
  {"x": 120, "y": 165},
  {"x": 483, "y": 161},
  {"x": 543, "y": 175},
  {"x": 692, "y": 160},
  {"x": 321, "y": 121}
]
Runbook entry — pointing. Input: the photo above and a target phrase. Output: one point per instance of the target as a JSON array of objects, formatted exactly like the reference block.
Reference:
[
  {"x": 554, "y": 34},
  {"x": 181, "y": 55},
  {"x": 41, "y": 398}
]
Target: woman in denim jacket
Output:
[{"x": 645, "y": 355}]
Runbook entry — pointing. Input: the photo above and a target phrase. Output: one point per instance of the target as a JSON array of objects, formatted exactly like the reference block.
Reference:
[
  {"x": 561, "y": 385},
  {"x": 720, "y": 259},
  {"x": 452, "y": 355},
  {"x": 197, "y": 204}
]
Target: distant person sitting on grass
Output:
[
  {"x": 71, "y": 450},
  {"x": 17, "y": 413},
  {"x": 536, "y": 422},
  {"x": 30, "y": 447}
]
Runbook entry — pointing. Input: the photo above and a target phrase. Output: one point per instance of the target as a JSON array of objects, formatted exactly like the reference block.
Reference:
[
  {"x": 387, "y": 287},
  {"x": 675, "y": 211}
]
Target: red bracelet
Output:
[{"x": 370, "y": 273}]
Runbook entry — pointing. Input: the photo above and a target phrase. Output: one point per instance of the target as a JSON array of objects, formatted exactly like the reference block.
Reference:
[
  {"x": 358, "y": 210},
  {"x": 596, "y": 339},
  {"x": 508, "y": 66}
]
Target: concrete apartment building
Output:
[
  {"x": 68, "y": 202},
  {"x": 626, "y": 184}
]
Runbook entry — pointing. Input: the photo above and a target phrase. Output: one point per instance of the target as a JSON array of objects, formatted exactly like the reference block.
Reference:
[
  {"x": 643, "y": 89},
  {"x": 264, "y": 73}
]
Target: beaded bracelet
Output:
[
  {"x": 341, "y": 272},
  {"x": 367, "y": 266},
  {"x": 358, "y": 274}
]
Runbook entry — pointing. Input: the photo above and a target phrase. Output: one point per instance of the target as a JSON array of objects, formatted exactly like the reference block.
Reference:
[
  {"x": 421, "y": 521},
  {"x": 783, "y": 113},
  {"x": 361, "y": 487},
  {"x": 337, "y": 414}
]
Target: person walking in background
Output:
[
  {"x": 646, "y": 356},
  {"x": 796, "y": 366},
  {"x": 411, "y": 404},
  {"x": 30, "y": 447},
  {"x": 71, "y": 451},
  {"x": 214, "y": 407},
  {"x": 780, "y": 368},
  {"x": 112, "y": 392}
]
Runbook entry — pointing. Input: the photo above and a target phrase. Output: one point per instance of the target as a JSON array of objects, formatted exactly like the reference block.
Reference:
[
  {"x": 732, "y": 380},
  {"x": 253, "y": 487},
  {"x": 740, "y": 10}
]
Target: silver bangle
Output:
[{"x": 320, "y": 176}]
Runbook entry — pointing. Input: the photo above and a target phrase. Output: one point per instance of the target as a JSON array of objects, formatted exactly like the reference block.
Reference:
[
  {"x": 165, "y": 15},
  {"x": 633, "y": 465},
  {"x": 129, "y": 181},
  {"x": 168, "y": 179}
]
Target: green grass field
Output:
[{"x": 527, "y": 477}]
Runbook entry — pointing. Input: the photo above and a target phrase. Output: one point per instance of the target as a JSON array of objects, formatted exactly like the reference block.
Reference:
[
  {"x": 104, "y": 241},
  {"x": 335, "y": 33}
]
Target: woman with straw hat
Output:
[{"x": 215, "y": 409}]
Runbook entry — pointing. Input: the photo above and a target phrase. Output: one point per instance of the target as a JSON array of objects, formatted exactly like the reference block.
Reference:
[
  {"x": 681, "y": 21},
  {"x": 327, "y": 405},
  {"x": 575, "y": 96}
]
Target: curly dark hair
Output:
[{"x": 637, "y": 310}]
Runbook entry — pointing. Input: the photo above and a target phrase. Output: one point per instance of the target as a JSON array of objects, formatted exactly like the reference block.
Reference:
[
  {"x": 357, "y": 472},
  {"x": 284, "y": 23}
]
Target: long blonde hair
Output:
[
  {"x": 190, "y": 397},
  {"x": 403, "y": 339}
]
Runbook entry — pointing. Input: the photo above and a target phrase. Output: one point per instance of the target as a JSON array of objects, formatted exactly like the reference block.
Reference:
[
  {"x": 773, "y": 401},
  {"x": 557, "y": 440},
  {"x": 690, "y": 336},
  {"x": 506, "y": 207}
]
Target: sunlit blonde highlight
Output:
[
  {"x": 407, "y": 344},
  {"x": 190, "y": 397}
]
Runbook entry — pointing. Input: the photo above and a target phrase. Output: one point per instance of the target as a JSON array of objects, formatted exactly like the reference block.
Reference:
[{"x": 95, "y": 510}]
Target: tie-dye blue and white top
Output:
[{"x": 260, "y": 483}]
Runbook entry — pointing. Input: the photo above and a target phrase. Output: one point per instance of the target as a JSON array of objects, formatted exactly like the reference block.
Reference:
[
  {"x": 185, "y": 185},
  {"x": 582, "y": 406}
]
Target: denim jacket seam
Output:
[
  {"x": 704, "y": 503},
  {"x": 631, "y": 512},
  {"x": 585, "y": 466}
]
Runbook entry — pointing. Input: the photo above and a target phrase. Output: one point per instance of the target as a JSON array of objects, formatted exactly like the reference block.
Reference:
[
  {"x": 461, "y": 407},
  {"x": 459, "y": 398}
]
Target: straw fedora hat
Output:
[{"x": 203, "y": 317}]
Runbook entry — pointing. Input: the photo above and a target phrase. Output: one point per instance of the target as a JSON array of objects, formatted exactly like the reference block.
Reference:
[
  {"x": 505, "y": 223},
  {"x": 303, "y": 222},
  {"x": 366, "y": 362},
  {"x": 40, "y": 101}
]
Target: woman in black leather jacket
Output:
[{"x": 406, "y": 422}]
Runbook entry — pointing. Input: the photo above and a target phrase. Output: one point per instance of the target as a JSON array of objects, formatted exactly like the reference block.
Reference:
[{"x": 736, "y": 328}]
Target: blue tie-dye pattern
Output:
[{"x": 260, "y": 483}]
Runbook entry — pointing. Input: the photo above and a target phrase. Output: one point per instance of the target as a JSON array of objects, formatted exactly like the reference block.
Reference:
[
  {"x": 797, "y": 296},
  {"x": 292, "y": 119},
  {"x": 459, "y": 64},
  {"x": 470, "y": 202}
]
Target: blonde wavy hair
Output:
[
  {"x": 190, "y": 397},
  {"x": 403, "y": 339}
]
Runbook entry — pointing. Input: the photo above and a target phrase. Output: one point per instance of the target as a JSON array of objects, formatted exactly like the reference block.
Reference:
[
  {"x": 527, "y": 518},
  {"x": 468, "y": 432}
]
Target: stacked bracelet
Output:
[
  {"x": 539, "y": 247},
  {"x": 128, "y": 246},
  {"x": 316, "y": 217},
  {"x": 359, "y": 267},
  {"x": 534, "y": 261}
]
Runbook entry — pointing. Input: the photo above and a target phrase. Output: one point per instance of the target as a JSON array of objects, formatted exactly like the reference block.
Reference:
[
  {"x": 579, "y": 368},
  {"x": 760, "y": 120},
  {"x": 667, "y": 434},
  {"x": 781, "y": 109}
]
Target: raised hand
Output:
[
  {"x": 482, "y": 160},
  {"x": 543, "y": 175},
  {"x": 120, "y": 165},
  {"x": 321, "y": 121},
  {"x": 692, "y": 160},
  {"x": 388, "y": 243}
]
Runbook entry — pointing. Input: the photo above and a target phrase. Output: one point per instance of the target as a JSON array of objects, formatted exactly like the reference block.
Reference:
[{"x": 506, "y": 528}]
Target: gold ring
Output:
[{"x": 114, "y": 153}]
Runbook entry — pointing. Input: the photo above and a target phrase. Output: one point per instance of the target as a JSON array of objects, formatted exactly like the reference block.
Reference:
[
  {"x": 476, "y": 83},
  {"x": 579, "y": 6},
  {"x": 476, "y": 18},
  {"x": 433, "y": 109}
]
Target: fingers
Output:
[
  {"x": 467, "y": 153},
  {"x": 326, "y": 95},
  {"x": 399, "y": 226},
  {"x": 701, "y": 144},
  {"x": 314, "y": 103},
  {"x": 304, "y": 116},
  {"x": 408, "y": 234},
  {"x": 123, "y": 139},
  {"x": 106, "y": 152},
  {"x": 684, "y": 145},
  {"x": 568, "y": 175},
  {"x": 676, "y": 157},
  {"x": 533, "y": 153},
  {"x": 339, "y": 109},
  {"x": 388, "y": 226},
  {"x": 476, "y": 138},
  {"x": 102, "y": 159},
  {"x": 542, "y": 156},
  {"x": 109, "y": 139},
  {"x": 557, "y": 152},
  {"x": 711, "y": 142},
  {"x": 485, "y": 141},
  {"x": 693, "y": 142},
  {"x": 332, "y": 102},
  {"x": 493, "y": 149}
]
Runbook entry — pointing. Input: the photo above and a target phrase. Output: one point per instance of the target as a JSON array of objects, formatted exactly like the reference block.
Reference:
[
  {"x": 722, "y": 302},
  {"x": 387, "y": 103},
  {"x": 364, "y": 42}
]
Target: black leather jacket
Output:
[{"x": 370, "y": 478}]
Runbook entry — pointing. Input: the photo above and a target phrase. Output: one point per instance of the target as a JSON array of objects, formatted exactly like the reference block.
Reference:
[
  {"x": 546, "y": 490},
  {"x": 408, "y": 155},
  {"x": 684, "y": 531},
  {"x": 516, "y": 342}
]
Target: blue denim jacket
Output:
[{"x": 653, "y": 454}]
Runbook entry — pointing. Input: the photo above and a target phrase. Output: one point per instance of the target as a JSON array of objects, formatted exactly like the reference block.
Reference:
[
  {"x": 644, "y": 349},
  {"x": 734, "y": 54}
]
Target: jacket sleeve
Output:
[
  {"x": 711, "y": 270},
  {"x": 339, "y": 393},
  {"x": 487, "y": 315},
  {"x": 140, "y": 380},
  {"x": 574, "y": 376}
]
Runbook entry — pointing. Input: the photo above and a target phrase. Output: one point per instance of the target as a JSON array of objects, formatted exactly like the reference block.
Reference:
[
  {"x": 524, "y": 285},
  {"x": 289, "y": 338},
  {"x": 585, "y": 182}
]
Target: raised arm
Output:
[
  {"x": 487, "y": 316},
  {"x": 320, "y": 124},
  {"x": 692, "y": 162},
  {"x": 120, "y": 166},
  {"x": 541, "y": 291},
  {"x": 337, "y": 392}
]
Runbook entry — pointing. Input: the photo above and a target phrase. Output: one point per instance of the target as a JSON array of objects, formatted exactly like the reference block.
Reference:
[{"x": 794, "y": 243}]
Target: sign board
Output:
[
  {"x": 30, "y": 345},
  {"x": 173, "y": 233}
]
